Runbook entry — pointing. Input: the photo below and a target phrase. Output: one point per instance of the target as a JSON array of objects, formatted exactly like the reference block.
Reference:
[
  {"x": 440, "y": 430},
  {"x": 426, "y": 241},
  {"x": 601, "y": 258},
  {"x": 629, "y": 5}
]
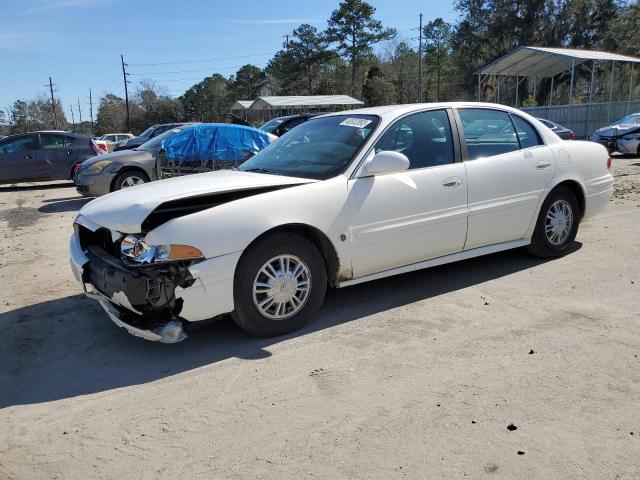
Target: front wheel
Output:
[
  {"x": 129, "y": 178},
  {"x": 557, "y": 224},
  {"x": 279, "y": 285}
]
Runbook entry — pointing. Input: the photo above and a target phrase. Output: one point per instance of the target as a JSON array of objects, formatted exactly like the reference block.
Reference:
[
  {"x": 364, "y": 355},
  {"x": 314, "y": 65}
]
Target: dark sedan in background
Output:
[
  {"x": 151, "y": 132},
  {"x": 45, "y": 155},
  {"x": 563, "y": 132},
  {"x": 281, "y": 125}
]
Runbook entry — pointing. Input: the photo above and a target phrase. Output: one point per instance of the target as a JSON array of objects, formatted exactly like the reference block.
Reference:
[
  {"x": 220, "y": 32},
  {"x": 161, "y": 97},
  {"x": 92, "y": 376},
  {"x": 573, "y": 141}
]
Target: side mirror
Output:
[{"x": 385, "y": 162}]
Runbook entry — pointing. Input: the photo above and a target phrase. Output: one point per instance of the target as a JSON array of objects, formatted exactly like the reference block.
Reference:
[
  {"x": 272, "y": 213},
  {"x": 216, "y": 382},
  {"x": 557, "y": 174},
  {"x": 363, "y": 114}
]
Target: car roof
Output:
[{"x": 395, "y": 110}]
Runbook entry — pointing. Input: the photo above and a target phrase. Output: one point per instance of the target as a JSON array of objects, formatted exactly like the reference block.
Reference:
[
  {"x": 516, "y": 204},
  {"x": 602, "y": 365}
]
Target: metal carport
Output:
[{"x": 543, "y": 62}]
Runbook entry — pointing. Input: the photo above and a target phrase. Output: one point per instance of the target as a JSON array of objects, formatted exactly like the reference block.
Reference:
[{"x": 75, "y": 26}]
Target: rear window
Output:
[
  {"x": 487, "y": 132},
  {"x": 51, "y": 141}
]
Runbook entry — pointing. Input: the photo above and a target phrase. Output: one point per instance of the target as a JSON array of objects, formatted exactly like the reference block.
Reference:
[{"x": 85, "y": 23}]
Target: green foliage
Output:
[
  {"x": 37, "y": 114},
  {"x": 438, "y": 37},
  {"x": 377, "y": 90},
  {"x": 354, "y": 31},
  {"x": 529, "y": 102},
  {"x": 248, "y": 82},
  {"x": 208, "y": 100}
]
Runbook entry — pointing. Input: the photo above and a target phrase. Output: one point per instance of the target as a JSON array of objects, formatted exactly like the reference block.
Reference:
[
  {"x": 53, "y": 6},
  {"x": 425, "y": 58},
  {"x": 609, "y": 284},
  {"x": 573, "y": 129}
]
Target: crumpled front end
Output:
[{"x": 159, "y": 302}]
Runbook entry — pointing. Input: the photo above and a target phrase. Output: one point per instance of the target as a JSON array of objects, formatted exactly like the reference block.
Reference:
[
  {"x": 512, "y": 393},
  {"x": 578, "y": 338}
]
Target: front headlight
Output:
[
  {"x": 135, "y": 248},
  {"x": 98, "y": 167}
]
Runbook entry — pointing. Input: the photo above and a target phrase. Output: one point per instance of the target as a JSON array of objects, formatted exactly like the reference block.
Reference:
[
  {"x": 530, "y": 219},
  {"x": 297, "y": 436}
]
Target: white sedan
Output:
[{"x": 341, "y": 199}]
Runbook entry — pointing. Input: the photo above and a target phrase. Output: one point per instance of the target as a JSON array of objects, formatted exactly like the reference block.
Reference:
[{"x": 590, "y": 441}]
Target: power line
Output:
[
  {"x": 188, "y": 71},
  {"x": 53, "y": 104},
  {"x": 201, "y": 60},
  {"x": 126, "y": 90}
]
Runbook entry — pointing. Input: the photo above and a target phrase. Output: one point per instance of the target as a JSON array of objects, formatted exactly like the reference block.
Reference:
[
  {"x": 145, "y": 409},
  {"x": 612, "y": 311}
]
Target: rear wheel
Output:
[
  {"x": 129, "y": 178},
  {"x": 557, "y": 224},
  {"x": 279, "y": 285}
]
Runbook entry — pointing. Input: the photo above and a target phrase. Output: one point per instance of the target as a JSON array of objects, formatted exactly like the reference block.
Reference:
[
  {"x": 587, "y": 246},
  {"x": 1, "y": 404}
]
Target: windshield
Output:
[
  {"x": 320, "y": 148},
  {"x": 271, "y": 125},
  {"x": 629, "y": 119},
  {"x": 156, "y": 142},
  {"x": 147, "y": 132}
]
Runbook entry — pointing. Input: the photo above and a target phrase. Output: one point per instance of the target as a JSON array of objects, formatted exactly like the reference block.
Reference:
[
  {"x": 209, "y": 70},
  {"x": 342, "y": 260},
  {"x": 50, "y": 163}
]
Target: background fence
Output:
[{"x": 584, "y": 119}]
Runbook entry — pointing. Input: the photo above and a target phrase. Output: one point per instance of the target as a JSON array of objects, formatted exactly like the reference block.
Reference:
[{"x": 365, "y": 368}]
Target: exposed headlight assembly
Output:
[{"x": 135, "y": 248}]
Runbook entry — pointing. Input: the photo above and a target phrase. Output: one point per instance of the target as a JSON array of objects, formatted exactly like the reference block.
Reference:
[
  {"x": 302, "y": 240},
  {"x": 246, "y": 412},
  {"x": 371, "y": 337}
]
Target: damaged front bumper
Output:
[{"x": 158, "y": 303}]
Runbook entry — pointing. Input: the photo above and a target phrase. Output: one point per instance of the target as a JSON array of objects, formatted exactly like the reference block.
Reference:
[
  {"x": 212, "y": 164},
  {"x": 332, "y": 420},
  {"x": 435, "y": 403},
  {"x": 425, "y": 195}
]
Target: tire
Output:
[
  {"x": 558, "y": 241},
  {"x": 129, "y": 178},
  {"x": 274, "y": 318}
]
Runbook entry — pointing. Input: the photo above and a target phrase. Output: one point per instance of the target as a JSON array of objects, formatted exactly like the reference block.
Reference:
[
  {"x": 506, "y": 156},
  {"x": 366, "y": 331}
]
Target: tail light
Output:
[
  {"x": 94, "y": 147},
  {"x": 608, "y": 163},
  {"x": 572, "y": 135},
  {"x": 76, "y": 167},
  {"x": 103, "y": 147}
]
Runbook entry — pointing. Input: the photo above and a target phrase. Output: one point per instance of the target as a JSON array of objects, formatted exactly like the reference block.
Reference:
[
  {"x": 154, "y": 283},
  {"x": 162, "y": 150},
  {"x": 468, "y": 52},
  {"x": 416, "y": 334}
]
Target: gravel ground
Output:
[{"x": 498, "y": 367}]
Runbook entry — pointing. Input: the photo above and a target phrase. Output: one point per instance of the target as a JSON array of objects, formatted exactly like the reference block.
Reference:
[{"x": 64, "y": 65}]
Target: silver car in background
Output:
[
  {"x": 622, "y": 136},
  {"x": 121, "y": 169}
]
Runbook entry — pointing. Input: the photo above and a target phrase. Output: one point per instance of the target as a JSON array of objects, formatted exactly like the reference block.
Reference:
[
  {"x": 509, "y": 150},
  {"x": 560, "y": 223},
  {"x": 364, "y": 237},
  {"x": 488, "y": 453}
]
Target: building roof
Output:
[
  {"x": 302, "y": 101},
  {"x": 241, "y": 104},
  {"x": 541, "y": 62}
]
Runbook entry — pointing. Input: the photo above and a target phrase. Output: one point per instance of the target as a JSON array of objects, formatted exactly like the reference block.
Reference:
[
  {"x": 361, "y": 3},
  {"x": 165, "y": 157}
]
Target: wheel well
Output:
[
  {"x": 73, "y": 169},
  {"x": 124, "y": 170},
  {"x": 319, "y": 240},
  {"x": 576, "y": 189}
]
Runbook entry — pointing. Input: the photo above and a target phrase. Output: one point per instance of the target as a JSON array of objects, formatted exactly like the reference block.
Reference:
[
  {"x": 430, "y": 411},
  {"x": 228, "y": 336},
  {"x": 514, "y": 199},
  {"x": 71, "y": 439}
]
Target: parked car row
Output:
[
  {"x": 45, "y": 155},
  {"x": 185, "y": 149},
  {"x": 341, "y": 199}
]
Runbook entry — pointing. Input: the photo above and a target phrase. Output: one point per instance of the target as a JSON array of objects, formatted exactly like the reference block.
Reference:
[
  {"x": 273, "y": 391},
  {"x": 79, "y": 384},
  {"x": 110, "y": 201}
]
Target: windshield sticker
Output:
[{"x": 355, "y": 122}]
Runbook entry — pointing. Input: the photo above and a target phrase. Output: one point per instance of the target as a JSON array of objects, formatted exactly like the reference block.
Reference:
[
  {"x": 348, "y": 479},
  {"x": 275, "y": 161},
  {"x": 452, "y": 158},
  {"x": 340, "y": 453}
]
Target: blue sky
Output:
[{"x": 78, "y": 42}]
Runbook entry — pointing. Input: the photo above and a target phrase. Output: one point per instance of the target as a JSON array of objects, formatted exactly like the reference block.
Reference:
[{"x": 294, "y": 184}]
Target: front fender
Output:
[{"x": 231, "y": 227}]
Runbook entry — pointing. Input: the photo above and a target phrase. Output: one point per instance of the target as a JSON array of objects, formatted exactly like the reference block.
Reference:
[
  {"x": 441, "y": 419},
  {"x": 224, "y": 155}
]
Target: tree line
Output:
[{"x": 357, "y": 54}]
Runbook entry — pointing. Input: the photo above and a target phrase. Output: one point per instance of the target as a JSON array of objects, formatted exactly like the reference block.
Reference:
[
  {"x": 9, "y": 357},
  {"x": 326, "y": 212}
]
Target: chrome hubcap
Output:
[
  {"x": 131, "y": 182},
  {"x": 281, "y": 287},
  {"x": 558, "y": 223}
]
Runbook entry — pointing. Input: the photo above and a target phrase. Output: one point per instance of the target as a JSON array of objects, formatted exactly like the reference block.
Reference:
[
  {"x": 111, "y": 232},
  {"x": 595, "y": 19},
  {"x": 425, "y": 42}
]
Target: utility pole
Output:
[
  {"x": 80, "y": 114},
  {"x": 126, "y": 91},
  {"x": 53, "y": 104},
  {"x": 420, "y": 61},
  {"x": 73, "y": 120},
  {"x": 91, "y": 110},
  {"x": 286, "y": 42}
]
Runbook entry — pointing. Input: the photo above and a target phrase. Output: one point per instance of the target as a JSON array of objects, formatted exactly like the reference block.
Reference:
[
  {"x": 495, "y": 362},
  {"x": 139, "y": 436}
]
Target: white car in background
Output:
[
  {"x": 341, "y": 199},
  {"x": 110, "y": 140}
]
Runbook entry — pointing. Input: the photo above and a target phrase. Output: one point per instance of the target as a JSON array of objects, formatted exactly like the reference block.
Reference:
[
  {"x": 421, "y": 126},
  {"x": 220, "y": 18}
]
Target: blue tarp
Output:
[{"x": 210, "y": 146}]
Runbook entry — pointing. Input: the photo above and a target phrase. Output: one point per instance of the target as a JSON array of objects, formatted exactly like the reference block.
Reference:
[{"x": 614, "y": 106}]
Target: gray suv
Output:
[{"x": 45, "y": 155}]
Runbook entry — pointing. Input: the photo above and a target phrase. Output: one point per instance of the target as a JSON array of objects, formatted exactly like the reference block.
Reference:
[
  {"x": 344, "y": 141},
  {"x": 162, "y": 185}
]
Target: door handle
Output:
[
  {"x": 543, "y": 165},
  {"x": 452, "y": 182},
  {"x": 28, "y": 157}
]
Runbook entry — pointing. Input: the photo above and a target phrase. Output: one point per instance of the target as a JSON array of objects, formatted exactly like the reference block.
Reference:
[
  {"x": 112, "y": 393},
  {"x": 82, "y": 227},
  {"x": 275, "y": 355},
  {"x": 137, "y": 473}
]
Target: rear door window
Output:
[
  {"x": 487, "y": 132},
  {"x": 51, "y": 141},
  {"x": 527, "y": 135}
]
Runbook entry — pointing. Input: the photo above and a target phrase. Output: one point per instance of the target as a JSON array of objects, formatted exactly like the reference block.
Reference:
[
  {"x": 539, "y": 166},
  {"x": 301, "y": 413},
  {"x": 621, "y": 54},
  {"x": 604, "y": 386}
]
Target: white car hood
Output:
[{"x": 125, "y": 210}]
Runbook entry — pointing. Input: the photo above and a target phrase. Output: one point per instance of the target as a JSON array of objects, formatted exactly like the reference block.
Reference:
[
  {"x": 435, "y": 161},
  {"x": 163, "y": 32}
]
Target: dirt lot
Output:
[{"x": 416, "y": 376}]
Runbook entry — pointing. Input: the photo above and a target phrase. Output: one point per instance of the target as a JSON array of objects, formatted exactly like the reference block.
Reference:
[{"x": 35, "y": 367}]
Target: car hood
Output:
[
  {"x": 617, "y": 130},
  {"x": 125, "y": 210},
  {"x": 119, "y": 155}
]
